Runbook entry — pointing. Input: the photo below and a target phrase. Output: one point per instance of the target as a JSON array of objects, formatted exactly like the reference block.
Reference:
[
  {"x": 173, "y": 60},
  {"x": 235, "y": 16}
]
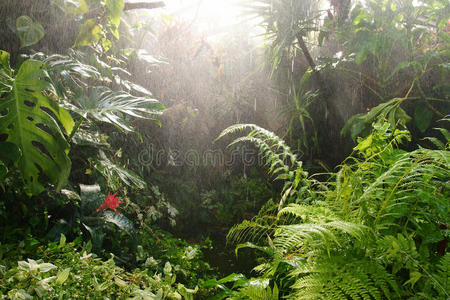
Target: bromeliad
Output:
[{"x": 112, "y": 202}]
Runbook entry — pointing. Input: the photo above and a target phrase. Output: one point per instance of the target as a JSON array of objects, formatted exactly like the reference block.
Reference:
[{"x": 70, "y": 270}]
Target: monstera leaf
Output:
[
  {"x": 30, "y": 118},
  {"x": 113, "y": 172},
  {"x": 5, "y": 73},
  {"x": 107, "y": 106}
]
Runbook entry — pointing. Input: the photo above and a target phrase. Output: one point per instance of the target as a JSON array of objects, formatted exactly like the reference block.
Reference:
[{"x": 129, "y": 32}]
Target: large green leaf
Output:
[
  {"x": 68, "y": 74},
  {"x": 5, "y": 73},
  {"x": 29, "y": 32},
  {"x": 115, "y": 8},
  {"x": 113, "y": 173},
  {"x": 29, "y": 118},
  {"x": 89, "y": 33},
  {"x": 9, "y": 153},
  {"x": 107, "y": 106}
]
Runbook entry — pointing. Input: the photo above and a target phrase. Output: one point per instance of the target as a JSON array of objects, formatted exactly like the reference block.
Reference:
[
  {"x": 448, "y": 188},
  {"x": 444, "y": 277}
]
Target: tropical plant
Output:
[
  {"x": 374, "y": 229},
  {"x": 243, "y": 288},
  {"x": 396, "y": 52},
  {"x": 64, "y": 269},
  {"x": 297, "y": 110},
  {"x": 30, "y": 119},
  {"x": 287, "y": 23},
  {"x": 33, "y": 112}
]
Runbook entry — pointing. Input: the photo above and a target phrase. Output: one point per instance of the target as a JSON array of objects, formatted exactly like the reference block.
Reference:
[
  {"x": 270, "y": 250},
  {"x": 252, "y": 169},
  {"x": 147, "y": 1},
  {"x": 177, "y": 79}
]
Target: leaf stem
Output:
[{"x": 75, "y": 128}]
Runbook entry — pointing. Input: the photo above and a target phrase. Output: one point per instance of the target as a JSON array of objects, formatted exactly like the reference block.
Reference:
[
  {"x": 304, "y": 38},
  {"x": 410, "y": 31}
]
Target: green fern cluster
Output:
[
  {"x": 374, "y": 230},
  {"x": 273, "y": 149},
  {"x": 343, "y": 276}
]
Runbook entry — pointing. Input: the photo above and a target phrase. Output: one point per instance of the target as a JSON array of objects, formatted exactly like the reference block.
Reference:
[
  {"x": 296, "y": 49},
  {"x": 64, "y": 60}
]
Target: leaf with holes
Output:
[
  {"x": 30, "y": 118},
  {"x": 113, "y": 173},
  {"x": 104, "y": 105},
  {"x": 5, "y": 73}
]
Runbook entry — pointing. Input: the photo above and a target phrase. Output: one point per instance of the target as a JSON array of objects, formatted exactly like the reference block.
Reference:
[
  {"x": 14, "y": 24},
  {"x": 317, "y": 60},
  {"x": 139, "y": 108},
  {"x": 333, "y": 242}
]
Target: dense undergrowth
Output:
[
  {"x": 376, "y": 229},
  {"x": 115, "y": 182}
]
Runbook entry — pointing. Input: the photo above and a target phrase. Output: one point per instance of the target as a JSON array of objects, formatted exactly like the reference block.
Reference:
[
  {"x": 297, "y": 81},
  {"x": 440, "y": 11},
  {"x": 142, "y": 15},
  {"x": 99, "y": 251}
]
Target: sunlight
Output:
[
  {"x": 210, "y": 16},
  {"x": 224, "y": 149}
]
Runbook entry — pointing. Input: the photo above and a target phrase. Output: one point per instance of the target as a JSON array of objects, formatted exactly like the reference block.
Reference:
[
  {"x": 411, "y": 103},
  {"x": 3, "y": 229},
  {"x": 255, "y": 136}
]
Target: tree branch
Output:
[
  {"x": 128, "y": 6},
  {"x": 325, "y": 89},
  {"x": 143, "y": 5}
]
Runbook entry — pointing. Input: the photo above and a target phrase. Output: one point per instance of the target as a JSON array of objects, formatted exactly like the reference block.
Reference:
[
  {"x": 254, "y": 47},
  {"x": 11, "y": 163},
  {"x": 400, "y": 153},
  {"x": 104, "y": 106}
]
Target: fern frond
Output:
[
  {"x": 444, "y": 132},
  {"x": 309, "y": 213},
  {"x": 342, "y": 277},
  {"x": 249, "y": 231},
  {"x": 259, "y": 289},
  {"x": 274, "y": 150},
  {"x": 442, "y": 277},
  {"x": 257, "y": 229},
  {"x": 377, "y": 194},
  {"x": 311, "y": 235}
]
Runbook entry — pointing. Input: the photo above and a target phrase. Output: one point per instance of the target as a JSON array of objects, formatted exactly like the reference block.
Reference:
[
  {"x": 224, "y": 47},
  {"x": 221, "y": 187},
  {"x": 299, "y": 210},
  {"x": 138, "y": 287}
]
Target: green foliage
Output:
[
  {"x": 284, "y": 21},
  {"x": 102, "y": 104},
  {"x": 95, "y": 31},
  {"x": 243, "y": 288},
  {"x": 98, "y": 224},
  {"x": 256, "y": 229},
  {"x": 89, "y": 33},
  {"x": 442, "y": 277},
  {"x": 297, "y": 110},
  {"x": 401, "y": 49},
  {"x": 279, "y": 158},
  {"x": 72, "y": 7},
  {"x": 69, "y": 271},
  {"x": 240, "y": 198},
  {"x": 158, "y": 247},
  {"x": 389, "y": 110},
  {"x": 29, "y": 32},
  {"x": 341, "y": 277},
  {"x": 114, "y": 8},
  {"x": 371, "y": 231},
  {"x": 116, "y": 174},
  {"x": 30, "y": 120}
]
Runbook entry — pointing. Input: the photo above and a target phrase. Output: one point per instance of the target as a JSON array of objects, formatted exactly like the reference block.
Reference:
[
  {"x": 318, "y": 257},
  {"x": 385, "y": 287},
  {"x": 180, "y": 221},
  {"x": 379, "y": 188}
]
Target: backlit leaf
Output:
[
  {"x": 115, "y": 8},
  {"x": 29, "y": 32},
  {"x": 61, "y": 277},
  {"x": 89, "y": 33}
]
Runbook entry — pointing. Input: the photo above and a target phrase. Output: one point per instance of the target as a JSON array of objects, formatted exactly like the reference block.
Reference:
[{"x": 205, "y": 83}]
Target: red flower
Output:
[{"x": 112, "y": 202}]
